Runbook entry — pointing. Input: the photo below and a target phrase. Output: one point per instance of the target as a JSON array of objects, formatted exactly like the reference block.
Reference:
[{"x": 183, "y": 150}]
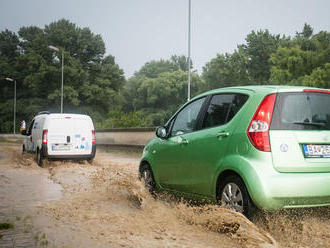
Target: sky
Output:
[{"x": 138, "y": 31}]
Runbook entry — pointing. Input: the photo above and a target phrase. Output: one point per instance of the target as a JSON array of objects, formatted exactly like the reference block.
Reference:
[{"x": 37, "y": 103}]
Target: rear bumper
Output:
[
  {"x": 294, "y": 190},
  {"x": 68, "y": 157},
  {"x": 271, "y": 190}
]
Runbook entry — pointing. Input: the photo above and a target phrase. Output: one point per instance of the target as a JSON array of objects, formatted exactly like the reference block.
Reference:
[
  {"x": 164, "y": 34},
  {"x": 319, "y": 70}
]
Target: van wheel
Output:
[
  {"x": 148, "y": 178},
  {"x": 39, "y": 158},
  {"x": 233, "y": 194}
]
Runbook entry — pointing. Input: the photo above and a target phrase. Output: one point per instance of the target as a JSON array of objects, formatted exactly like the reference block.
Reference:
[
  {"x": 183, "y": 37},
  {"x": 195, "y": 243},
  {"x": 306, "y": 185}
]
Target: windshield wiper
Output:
[{"x": 318, "y": 124}]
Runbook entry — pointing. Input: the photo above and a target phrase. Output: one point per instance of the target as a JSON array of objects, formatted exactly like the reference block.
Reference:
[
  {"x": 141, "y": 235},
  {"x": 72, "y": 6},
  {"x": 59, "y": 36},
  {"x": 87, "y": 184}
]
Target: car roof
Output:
[{"x": 266, "y": 89}]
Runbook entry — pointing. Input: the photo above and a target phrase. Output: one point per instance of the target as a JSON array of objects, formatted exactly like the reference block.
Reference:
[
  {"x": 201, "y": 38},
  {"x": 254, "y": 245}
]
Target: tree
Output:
[
  {"x": 258, "y": 49},
  {"x": 153, "y": 68},
  {"x": 303, "y": 61},
  {"x": 160, "y": 97},
  {"x": 181, "y": 62},
  {"x": 248, "y": 64},
  {"x": 226, "y": 70},
  {"x": 9, "y": 46},
  {"x": 157, "y": 83},
  {"x": 92, "y": 82},
  {"x": 306, "y": 32}
]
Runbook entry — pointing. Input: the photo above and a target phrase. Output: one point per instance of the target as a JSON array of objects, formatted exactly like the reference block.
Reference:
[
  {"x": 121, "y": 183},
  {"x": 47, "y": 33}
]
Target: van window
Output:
[
  {"x": 29, "y": 132},
  {"x": 223, "y": 108},
  {"x": 302, "y": 111}
]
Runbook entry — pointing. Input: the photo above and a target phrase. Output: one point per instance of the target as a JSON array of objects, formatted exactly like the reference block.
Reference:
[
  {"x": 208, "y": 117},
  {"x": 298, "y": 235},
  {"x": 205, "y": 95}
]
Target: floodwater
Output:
[{"x": 105, "y": 205}]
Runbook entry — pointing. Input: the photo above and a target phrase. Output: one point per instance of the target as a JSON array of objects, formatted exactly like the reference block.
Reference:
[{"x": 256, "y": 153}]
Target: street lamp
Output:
[
  {"x": 189, "y": 59},
  {"x": 13, "y": 80},
  {"x": 57, "y": 50}
]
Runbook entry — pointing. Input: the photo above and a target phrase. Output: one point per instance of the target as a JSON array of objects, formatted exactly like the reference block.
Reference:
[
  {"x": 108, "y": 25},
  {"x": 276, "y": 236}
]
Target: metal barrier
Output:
[{"x": 115, "y": 138}]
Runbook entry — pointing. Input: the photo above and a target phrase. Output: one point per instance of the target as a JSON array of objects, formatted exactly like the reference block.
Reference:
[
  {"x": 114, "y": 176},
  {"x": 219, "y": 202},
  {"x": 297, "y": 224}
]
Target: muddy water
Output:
[{"x": 104, "y": 205}]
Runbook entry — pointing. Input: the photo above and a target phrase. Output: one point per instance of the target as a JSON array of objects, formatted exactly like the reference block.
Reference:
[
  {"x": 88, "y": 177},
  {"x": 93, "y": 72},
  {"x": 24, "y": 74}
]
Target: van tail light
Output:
[
  {"x": 93, "y": 137},
  {"x": 44, "y": 136},
  {"x": 258, "y": 130}
]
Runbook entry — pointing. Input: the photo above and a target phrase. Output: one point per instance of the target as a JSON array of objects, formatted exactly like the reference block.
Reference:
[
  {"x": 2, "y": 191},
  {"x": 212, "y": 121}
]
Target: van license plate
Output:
[
  {"x": 61, "y": 147},
  {"x": 317, "y": 151}
]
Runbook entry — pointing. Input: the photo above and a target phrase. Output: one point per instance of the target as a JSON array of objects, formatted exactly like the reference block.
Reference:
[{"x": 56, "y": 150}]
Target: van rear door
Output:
[
  {"x": 69, "y": 135},
  {"x": 300, "y": 131}
]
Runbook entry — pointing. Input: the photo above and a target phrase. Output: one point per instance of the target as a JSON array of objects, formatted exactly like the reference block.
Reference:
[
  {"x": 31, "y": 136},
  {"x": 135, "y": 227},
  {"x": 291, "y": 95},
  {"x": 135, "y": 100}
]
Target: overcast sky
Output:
[{"x": 137, "y": 31}]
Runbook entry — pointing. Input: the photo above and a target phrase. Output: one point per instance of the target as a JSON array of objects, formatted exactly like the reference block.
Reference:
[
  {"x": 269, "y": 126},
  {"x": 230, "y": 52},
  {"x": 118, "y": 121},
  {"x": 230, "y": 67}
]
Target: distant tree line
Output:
[{"x": 95, "y": 85}]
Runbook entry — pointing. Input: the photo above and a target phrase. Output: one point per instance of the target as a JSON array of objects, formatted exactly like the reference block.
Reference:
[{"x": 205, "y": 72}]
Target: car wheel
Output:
[
  {"x": 233, "y": 194},
  {"x": 148, "y": 178},
  {"x": 39, "y": 158}
]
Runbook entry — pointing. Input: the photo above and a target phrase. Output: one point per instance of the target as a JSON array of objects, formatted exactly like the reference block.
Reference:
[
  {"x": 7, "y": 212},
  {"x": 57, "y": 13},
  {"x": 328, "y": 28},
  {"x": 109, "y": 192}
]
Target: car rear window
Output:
[{"x": 301, "y": 111}]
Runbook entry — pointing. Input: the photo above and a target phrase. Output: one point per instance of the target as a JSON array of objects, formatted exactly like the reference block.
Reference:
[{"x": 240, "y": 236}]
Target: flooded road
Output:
[{"x": 104, "y": 205}]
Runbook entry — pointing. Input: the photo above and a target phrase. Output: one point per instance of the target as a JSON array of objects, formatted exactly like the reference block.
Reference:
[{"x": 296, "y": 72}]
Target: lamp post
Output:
[
  {"x": 13, "y": 80},
  {"x": 189, "y": 59},
  {"x": 57, "y": 50}
]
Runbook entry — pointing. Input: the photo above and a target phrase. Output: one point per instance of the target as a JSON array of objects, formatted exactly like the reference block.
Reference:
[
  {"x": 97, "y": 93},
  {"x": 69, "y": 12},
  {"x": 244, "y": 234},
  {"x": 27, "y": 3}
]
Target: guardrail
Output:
[
  {"x": 124, "y": 138},
  {"x": 114, "y": 138}
]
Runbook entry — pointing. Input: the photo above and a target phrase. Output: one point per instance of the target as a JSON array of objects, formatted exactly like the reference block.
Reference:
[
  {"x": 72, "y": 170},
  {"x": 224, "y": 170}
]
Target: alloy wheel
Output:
[{"x": 232, "y": 197}]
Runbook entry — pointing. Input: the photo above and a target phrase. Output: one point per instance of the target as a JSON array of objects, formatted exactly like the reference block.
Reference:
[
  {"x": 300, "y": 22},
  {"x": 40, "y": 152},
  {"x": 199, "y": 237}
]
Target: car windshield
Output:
[{"x": 302, "y": 111}]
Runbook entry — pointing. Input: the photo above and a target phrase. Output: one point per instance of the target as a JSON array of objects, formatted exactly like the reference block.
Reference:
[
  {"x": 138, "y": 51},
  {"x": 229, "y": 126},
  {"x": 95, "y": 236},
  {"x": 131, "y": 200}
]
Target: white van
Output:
[{"x": 60, "y": 136}]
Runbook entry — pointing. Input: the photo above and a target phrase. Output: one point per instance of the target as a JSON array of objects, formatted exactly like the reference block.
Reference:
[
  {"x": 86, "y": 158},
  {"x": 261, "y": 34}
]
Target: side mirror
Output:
[{"x": 161, "y": 132}]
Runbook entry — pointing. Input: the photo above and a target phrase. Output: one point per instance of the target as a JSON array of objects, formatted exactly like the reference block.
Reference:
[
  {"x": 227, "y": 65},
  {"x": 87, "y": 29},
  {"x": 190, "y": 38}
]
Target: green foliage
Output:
[
  {"x": 303, "y": 61},
  {"x": 226, "y": 70},
  {"x": 9, "y": 45},
  {"x": 119, "y": 119},
  {"x": 95, "y": 85},
  {"x": 5, "y": 226},
  {"x": 158, "y": 95},
  {"x": 248, "y": 64},
  {"x": 258, "y": 48},
  {"x": 272, "y": 59},
  {"x": 92, "y": 82}
]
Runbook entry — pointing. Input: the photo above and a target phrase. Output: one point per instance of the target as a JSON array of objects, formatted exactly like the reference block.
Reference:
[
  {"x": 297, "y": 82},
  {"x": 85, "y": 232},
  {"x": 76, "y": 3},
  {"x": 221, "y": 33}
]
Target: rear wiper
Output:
[{"x": 318, "y": 124}]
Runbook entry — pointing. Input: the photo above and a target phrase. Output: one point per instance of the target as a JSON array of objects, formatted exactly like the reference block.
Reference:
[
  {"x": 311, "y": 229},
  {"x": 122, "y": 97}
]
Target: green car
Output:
[{"x": 245, "y": 147}]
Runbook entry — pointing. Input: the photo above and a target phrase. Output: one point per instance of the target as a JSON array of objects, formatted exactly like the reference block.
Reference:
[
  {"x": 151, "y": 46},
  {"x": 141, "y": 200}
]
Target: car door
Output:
[
  {"x": 170, "y": 157},
  {"x": 209, "y": 145},
  {"x": 192, "y": 157},
  {"x": 28, "y": 143}
]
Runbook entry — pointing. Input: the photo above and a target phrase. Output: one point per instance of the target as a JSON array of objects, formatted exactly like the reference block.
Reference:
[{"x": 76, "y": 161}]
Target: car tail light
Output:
[
  {"x": 258, "y": 130},
  {"x": 44, "y": 136},
  {"x": 93, "y": 137}
]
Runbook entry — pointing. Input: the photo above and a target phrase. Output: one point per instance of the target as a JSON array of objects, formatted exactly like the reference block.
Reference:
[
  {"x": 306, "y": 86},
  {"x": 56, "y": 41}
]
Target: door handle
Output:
[
  {"x": 222, "y": 134},
  {"x": 183, "y": 141}
]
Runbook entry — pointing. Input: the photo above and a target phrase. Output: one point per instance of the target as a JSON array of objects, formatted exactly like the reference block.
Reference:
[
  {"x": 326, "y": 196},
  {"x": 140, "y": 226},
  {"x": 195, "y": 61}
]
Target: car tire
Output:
[
  {"x": 39, "y": 157},
  {"x": 147, "y": 176},
  {"x": 233, "y": 194}
]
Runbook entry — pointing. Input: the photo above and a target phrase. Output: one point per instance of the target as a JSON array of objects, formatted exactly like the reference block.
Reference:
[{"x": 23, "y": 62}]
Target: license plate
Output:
[
  {"x": 61, "y": 147},
  {"x": 317, "y": 151}
]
